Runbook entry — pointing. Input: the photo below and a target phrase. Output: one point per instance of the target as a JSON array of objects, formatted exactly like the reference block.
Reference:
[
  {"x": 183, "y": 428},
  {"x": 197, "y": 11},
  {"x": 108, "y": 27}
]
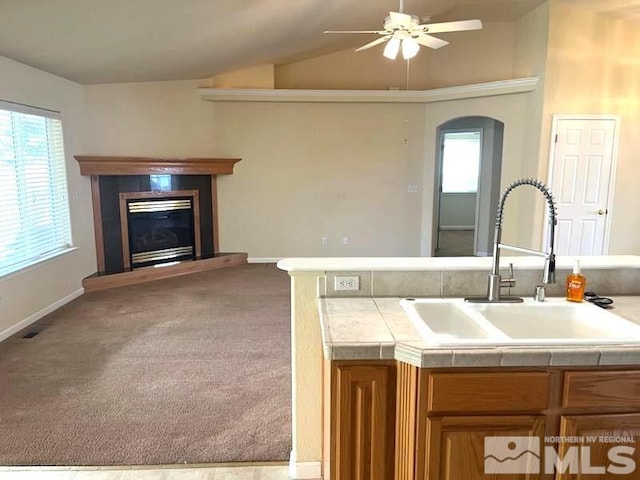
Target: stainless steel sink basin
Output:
[{"x": 554, "y": 322}]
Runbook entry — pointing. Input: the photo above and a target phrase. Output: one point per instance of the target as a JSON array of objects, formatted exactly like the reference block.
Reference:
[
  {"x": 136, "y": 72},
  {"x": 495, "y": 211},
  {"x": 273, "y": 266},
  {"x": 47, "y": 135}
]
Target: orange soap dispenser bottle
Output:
[{"x": 576, "y": 283}]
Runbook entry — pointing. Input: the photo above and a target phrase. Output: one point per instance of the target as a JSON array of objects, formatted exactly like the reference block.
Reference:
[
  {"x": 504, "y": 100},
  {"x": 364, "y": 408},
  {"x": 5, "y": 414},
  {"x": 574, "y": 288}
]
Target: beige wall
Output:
[
  {"x": 261, "y": 76},
  {"x": 152, "y": 118},
  {"x": 457, "y": 210},
  {"x": 508, "y": 109},
  {"x": 25, "y": 293},
  {"x": 530, "y": 55},
  {"x": 471, "y": 57},
  {"x": 314, "y": 170},
  {"x": 593, "y": 67},
  {"x": 307, "y": 170}
]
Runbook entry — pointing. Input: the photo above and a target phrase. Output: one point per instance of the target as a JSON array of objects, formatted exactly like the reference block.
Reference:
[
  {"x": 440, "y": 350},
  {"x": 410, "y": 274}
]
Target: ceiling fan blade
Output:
[
  {"x": 356, "y": 31},
  {"x": 429, "y": 41},
  {"x": 459, "y": 26},
  {"x": 400, "y": 19},
  {"x": 377, "y": 41}
]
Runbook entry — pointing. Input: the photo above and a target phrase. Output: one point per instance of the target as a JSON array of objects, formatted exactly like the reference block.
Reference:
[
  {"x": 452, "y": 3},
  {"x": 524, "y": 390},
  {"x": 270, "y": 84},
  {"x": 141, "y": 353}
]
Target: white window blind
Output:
[{"x": 34, "y": 209}]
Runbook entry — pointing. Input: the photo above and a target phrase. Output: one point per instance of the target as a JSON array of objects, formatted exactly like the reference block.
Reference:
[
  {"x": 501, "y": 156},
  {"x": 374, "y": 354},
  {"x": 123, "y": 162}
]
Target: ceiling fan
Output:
[{"x": 403, "y": 31}]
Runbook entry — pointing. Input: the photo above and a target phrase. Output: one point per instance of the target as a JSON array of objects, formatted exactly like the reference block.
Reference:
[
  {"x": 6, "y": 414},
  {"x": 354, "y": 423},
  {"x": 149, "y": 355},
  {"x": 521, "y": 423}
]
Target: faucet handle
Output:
[{"x": 510, "y": 281}]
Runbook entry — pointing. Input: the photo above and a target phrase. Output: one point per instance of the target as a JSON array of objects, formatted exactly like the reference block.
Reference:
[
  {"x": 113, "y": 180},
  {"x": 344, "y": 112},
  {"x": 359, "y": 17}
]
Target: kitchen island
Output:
[
  {"x": 315, "y": 279},
  {"x": 399, "y": 407}
]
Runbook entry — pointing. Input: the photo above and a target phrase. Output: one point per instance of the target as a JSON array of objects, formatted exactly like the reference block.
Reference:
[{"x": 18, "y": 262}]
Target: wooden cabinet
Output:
[
  {"x": 454, "y": 411},
  {"x": 608, "y": 390},
  {"x": 598, "y": 460},
  {"x": 487, "y": 392},
  {"x": 393, "y": 421},
  {"x": 359, "y": 420},
  {"x": 456, "y": 444},
  {"x": 457, "y": 410}
]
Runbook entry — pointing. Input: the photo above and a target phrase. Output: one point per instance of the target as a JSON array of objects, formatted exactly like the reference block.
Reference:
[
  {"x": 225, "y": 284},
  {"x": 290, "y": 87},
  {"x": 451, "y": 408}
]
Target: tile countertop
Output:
[{"x": 379, "y": 329}]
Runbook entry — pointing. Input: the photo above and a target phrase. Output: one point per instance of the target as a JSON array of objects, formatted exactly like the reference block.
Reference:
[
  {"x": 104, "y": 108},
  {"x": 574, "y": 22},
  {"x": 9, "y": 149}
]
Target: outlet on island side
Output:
[{"x": 346, "y": 283}]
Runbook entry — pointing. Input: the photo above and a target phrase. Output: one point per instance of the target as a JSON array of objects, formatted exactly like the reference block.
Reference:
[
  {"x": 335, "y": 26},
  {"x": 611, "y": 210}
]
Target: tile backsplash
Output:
[{"x": 460, "y": 283}]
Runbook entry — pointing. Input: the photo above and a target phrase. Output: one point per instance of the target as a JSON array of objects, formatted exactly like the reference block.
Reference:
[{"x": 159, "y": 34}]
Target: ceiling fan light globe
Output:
[
  {"x": 410, "y": 48},
  {"x": 392, "y": 48}
]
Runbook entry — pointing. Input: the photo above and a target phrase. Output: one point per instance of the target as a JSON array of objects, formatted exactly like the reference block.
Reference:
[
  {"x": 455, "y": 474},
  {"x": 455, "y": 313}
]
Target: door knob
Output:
[{"x": 601, "y": 211}]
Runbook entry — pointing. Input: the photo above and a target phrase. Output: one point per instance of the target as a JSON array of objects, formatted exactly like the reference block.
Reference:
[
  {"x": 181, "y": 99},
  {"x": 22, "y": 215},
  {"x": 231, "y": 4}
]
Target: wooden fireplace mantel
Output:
[{"x": 99, "y": 165}]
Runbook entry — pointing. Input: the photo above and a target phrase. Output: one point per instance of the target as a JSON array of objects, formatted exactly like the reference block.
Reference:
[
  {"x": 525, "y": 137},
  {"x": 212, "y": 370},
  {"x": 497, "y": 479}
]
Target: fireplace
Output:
[
  {"x": 159, "y": 227},
  {"x": 151, "y": 211}
]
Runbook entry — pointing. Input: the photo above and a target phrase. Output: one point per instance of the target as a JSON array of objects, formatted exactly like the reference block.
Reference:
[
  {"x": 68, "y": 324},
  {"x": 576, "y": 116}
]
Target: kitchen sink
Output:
[
  {"x": 453, "y": 322},
  {"x": 446, "y": 321}
]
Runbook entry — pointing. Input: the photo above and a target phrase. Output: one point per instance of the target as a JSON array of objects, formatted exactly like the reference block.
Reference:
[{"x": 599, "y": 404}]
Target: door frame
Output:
[
  {"x": 556, "y": 118},
  {"x": 438, "y": 184}
]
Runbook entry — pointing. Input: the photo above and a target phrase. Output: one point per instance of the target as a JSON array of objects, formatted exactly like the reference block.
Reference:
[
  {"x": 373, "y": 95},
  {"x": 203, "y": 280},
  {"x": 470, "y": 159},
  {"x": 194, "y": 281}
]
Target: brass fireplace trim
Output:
[{"x": 124, "y": 224}]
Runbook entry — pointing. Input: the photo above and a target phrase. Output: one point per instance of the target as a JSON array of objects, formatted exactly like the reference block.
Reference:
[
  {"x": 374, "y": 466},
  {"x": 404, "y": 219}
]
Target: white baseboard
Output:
[
  {"x": 304, "y": 470},
  {"x": 39, "y": 314},
  {"x": 457, "y": 227},
  {"x": 263, "y": 260}
]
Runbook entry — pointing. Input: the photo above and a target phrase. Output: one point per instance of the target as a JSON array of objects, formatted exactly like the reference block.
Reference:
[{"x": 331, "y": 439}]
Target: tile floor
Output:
[{"x": 253, "y": 472}]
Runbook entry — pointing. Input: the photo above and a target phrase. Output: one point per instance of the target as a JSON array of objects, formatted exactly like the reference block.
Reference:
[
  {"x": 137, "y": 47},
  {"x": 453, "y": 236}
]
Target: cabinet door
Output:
[
  {"x": 456, "y": 447},
  {"x": 362, "y": 422},
  {"x": 595, "y": 458}
]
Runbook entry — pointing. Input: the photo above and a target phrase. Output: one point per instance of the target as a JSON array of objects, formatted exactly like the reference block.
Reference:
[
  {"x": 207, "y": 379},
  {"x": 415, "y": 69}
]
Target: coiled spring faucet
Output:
[{"x": 495, "y": 281}]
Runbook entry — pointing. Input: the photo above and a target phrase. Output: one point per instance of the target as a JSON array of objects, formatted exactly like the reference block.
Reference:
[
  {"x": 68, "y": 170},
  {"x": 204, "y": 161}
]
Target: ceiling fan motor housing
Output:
[{"x": 409, "y": 23}]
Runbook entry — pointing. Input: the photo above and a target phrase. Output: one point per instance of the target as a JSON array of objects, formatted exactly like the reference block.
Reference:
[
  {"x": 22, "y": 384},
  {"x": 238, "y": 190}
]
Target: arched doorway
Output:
[{"x": 468, "y": 166}]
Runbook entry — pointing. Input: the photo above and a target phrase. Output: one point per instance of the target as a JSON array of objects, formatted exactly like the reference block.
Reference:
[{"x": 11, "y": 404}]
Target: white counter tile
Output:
[
  {"x": 378, "y": 328},
  {"x": 487, "y": 357},
  {"x": 525, "y": 357},
  {"x": 574, "y": 357}
]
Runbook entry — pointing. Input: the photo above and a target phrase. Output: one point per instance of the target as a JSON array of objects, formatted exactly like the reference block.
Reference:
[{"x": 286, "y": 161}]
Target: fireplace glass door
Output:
[{"x": 160, "y": 230}]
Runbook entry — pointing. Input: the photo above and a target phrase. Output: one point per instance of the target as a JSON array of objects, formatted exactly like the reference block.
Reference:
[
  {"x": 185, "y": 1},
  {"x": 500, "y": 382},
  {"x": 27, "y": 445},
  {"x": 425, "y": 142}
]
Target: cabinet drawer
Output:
[
  {"x": 614, "y": 389},
  {"x": 488, "y": 392}
]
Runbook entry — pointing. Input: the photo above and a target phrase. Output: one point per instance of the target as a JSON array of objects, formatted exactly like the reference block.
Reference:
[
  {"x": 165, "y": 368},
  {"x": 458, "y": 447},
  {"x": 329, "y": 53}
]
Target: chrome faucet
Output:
[{"x": 495, "y": 281}]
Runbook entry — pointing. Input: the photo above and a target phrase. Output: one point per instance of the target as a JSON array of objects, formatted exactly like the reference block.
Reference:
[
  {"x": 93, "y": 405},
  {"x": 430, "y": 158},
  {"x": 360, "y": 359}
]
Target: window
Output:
[
  {"x": 461, "y": 162},
  {"x": 34, "y": 210}
]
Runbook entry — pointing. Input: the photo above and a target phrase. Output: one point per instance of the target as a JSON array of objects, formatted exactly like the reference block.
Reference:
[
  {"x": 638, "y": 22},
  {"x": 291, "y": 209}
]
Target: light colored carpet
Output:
[
  {"x": 455, "y": 243},
  {"x": 194, "y": 369}
]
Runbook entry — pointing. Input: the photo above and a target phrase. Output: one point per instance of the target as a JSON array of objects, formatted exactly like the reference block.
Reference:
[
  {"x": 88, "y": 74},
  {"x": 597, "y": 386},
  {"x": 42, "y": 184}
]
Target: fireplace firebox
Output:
[{"x": 159, "y": 227}]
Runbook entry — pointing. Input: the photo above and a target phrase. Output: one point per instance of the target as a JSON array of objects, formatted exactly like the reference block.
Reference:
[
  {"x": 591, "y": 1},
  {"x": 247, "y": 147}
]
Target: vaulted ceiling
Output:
[{"x": 97, "y": 41}]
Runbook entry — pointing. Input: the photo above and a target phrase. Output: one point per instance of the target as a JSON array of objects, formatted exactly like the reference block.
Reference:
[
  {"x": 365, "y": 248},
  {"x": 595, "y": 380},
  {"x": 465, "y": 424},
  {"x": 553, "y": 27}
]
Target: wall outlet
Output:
[
  {"x": 345, "y": 240},
  {"x": 346, "y": 283},
  {"x": 412, "y": 188},
  {"x": 324, "y": 241}
]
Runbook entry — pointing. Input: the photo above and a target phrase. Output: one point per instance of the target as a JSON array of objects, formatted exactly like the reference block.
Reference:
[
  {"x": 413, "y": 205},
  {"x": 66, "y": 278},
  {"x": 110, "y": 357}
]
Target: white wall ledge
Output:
[
  {"x": 502, "y": 87},
  {"x": 326, "y": 264}
]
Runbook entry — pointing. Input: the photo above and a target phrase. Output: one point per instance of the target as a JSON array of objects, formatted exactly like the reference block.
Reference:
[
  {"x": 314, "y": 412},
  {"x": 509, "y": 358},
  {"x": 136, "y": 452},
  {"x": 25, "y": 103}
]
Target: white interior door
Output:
[{"x": 582, "y": 165}]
